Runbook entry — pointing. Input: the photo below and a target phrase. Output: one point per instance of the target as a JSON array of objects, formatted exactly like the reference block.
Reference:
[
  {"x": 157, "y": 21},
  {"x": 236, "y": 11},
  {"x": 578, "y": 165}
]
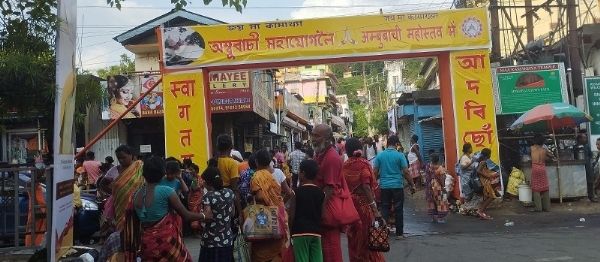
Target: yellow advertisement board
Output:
[
  {"x": 292, "y": 40},
  {"x": 474, "y": 109},
  {"x": 186, "y": 129}
]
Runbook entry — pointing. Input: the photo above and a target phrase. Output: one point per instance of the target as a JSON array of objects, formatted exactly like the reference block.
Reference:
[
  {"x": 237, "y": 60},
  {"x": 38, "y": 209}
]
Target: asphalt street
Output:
[{"x": 568, "y": 234}]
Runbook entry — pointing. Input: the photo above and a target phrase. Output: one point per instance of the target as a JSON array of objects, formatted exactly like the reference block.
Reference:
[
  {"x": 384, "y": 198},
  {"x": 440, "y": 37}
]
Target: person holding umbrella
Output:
[{"x": 582, "y": 142}]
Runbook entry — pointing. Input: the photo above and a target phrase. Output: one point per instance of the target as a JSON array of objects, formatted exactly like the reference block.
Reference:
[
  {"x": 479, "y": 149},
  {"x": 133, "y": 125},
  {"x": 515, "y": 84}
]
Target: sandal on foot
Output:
[
  {"x": 443, "y": 221},
  {"x": 400, "y": 237},
  {"x": 484, "y": 216}
]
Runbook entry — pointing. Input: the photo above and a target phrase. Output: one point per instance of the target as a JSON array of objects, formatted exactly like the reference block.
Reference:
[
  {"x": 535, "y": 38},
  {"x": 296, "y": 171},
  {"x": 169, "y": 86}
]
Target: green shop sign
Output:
[
  {"x": 592, "y": 93},
  {"x": 518, "y": 89}
]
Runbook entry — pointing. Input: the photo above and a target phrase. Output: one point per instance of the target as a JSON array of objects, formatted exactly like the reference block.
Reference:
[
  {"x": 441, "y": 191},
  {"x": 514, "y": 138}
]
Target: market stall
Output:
[{"x": 566, "y": 172}]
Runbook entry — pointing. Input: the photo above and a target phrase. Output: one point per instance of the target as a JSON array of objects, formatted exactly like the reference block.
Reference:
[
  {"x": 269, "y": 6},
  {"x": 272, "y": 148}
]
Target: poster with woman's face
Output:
[{"x": 121, "y": 92}]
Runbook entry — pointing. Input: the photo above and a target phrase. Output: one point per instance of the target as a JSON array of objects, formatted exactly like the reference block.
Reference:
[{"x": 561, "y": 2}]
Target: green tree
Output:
[
  {"x": 179, "y": 4},
  {"x": 125, "y": 65},
  {"x": 28, "y": 64}
]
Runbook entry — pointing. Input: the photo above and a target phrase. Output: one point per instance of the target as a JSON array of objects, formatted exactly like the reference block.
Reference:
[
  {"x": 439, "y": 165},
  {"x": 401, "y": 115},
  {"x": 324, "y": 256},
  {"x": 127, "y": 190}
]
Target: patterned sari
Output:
[
  {"x": 161, "y": 241},
  {"x": 436, "y": 205},
  {"x": 123, "y": 187},
  {"x": 267, "y": 250},
  {"x": 195, "y": 202},
  {"x": 488, "y": 189},
  {"x": 358, "y": 171}
]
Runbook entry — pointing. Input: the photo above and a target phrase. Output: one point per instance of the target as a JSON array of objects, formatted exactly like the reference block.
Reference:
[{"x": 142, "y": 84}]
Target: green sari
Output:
[{"x": 123, "y": 187}]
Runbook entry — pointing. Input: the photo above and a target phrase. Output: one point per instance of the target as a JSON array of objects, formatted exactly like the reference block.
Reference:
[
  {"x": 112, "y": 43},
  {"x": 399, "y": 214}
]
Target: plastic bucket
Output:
[{"x": 525, "y": 194}]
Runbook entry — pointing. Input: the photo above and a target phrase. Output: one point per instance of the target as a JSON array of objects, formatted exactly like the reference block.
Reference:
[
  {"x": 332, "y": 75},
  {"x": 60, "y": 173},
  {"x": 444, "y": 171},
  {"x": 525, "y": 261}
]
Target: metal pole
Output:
[
  {"x": 116, "y": 120},
  {"x": 16, "y": 205},
  {"x": 49, "y": 207}
]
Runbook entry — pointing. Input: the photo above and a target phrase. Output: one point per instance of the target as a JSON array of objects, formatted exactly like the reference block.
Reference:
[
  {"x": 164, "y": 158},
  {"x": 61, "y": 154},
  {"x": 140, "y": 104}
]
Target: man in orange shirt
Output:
[{"x": 90, "y": 169}]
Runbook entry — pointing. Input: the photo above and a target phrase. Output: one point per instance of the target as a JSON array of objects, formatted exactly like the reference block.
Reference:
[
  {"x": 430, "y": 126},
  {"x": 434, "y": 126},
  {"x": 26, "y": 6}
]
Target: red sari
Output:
[
  {"x": 161, "y": 241},
  {"x": 357, "y": 172}
]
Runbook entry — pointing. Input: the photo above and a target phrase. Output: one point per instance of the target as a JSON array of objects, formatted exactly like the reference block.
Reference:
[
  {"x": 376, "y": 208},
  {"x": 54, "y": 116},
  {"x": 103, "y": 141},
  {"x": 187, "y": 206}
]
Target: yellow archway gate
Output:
[{"x": 459, "y": 38}]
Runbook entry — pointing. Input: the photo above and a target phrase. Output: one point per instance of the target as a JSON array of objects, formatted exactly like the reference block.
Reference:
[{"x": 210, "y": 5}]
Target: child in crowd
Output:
[
  {"x": 217, "y": 238},
  {"x": 173, "y": 179},
  {"x": 195, "y": 197},
  {"x": 305, "y": 215}
]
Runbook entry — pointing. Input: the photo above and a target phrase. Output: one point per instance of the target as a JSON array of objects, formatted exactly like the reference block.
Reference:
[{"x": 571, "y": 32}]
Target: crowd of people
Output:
[{"x": 152, "y": 203}]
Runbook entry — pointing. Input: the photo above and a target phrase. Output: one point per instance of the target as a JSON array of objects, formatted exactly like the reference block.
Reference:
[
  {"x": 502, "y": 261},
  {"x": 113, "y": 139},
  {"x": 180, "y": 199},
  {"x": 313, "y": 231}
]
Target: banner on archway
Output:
[
  {"x": 186, "y": 128},
  {"x": 475, "y": 115},
  {"x": 334, "y": 37}
]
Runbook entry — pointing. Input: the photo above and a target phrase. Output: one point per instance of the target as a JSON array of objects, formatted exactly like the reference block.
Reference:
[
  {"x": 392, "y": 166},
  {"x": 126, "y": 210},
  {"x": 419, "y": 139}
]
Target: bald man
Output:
[{"x": 331, "y": 180}]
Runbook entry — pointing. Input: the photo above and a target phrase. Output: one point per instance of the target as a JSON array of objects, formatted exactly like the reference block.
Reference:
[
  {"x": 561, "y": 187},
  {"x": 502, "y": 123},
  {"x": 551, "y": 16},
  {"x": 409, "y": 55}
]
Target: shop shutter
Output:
[{"x": 433, "y": 138}]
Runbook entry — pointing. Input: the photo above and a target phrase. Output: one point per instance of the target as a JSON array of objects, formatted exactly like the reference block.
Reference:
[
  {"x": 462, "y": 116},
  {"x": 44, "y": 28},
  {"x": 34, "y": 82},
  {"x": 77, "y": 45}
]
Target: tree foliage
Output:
[
  {"x": 376, "y": 87},
  {"x": 28, "y": 64},
  {"x": 125, "y": 65},
  {"x": 180, "y": 4}
]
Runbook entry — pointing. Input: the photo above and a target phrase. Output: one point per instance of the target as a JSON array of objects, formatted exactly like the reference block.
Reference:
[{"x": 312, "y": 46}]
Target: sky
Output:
[{"x": 98, "y": 23}]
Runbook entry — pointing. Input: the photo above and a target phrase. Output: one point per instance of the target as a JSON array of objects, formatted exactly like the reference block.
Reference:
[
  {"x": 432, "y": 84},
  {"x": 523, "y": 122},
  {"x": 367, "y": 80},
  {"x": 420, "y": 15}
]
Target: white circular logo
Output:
[{"x": 472, "y": 27}]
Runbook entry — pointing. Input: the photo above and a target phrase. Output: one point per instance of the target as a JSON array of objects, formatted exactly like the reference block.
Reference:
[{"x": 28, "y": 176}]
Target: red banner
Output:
[{"x": 230, "y": 91}]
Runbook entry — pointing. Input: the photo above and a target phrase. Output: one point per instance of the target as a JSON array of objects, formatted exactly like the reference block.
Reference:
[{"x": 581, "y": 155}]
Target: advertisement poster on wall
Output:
[
  {"x": 592, "y": 93},
  {"x": 230, "y": 91},
  {"x": 520, "y": 88},
  {"x": 122, "y": 91}
]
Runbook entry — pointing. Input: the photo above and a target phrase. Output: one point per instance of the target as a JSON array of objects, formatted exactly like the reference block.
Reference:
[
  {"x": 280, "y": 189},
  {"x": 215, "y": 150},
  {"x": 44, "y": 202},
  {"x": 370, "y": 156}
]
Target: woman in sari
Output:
[
  {"x": 468, "y": 166},
  {"x": 436, "y": 195},
  {"x": 361, "y": 181},
  {"x": 415, "y": 160},
  {"x": 121, "y": 182},
  {"x": 487, "y": 178},
  {"x": 155, "y": 213},
  {"x": 266, "y": 191},
  {"x": 38, "y": 213}
]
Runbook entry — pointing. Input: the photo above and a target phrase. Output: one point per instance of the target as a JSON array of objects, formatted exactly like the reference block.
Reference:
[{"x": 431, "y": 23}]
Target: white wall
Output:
[
  {"x": 146, "y": 62},
  {"x": 394, "y": 69}
]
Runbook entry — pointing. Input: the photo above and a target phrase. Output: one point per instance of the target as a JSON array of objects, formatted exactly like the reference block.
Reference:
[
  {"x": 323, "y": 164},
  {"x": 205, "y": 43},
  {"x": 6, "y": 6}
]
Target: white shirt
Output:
[
  {"x": 296, "y": 157},
  {"x": 279, "y": 176},
  {"x": 371, "y": 152},
  {"x": 236, "y": 154},
  {"x": 412, "y": 156}
]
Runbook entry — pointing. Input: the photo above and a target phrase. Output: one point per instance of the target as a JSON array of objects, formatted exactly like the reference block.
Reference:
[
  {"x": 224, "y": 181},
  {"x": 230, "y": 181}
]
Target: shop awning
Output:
[
  {"x": 338, "y": 121},
  {"x": 295, "y": 117},
  {"x": 290, "y": 123},
  {"x": 431, "y": 119}
]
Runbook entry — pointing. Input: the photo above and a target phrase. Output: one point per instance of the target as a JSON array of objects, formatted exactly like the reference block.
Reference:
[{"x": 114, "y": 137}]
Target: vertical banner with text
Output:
[
  {"x": 60, "y": 235},
  {"x": 475, "y": 115},
  {"x": 186, "y": 129}
]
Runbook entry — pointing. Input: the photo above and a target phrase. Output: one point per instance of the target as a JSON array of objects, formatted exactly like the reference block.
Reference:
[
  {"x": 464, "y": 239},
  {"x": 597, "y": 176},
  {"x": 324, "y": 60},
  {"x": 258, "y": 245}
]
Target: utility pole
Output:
[
  {"x": 573, "y": 40},
  {"x": 367, "y": 93},
  {"x": 495, "y": 24},
  {"x": 529, "y": 21}
]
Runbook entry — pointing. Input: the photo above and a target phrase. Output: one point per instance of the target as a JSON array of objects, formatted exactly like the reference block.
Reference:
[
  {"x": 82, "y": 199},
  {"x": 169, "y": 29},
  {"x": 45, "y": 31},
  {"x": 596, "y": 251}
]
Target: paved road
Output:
[
  {"x": 554, "y": 236},
  {"x": 557, "y": 244}
]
